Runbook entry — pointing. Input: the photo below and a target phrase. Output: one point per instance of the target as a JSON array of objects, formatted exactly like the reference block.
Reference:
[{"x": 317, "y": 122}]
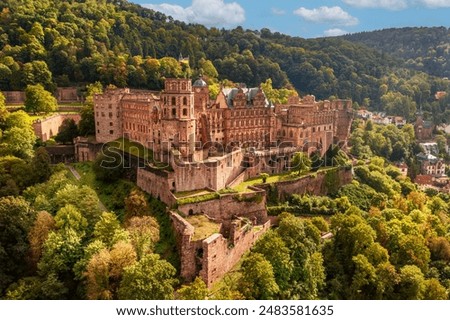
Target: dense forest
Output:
[
  {"x": 60, "y": 43},
  {"x": 423, "y": 49}
]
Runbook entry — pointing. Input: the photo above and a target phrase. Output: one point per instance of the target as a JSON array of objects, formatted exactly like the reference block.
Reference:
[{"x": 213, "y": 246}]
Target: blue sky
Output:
[{"x": 307, "y": 18}]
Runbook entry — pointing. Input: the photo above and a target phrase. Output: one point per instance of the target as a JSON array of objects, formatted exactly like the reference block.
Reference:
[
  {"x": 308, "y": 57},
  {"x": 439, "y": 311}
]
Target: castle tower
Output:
[
  {"x": 201, "y": 95},
  {"x": 178, "y": 117},
  {"x": 108, "y": 118}
]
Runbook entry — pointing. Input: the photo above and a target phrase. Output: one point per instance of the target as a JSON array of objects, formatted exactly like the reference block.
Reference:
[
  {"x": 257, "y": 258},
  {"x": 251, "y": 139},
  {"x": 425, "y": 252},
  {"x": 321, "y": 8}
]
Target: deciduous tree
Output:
[{"x": 37, "y": 99}]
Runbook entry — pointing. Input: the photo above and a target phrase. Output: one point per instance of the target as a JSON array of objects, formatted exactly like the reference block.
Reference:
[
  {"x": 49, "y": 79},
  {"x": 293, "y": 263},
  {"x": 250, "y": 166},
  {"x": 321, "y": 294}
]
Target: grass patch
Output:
[
  {"x": 258, "y": 180},
  {"x": 112, "y": 195},
  {"x": 200, "y": 198},
  {"x": 184, "y": 194},
  {"x": 203, "y": 227},
  {"x": 70, "y": 104}
]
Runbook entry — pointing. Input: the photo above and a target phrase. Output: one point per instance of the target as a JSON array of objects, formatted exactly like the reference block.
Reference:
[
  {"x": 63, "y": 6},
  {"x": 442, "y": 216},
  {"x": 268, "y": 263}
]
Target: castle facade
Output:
[{"x": 184, "y": 127}]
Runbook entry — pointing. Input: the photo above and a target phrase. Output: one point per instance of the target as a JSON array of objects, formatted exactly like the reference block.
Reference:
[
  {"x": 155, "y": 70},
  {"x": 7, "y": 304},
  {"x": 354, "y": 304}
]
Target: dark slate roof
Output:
[
  {"x": 200, "y": 83},
  {"x": 250, "y": 93}
]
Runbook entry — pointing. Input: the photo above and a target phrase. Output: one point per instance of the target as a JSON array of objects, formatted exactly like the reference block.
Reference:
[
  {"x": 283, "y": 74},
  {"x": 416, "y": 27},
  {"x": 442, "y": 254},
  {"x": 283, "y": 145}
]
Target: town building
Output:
[
  {"x": 423, "y": 129},
  {"x": 431, "y": 165}
]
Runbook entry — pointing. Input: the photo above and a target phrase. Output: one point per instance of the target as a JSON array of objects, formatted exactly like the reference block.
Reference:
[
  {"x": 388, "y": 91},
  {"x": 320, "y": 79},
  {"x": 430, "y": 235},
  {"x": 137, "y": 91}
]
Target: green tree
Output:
[
  {"x": 83, "y": 198},
  {"x": 148, "y": 279},
  {"x": 105, "y": 269},
  {"x": 300, "y": 162},
  {"x": 197, "y": 290},
  {"x": 15, "y": 175},
  {"x": 3, "y": 111},
  {"x": 37, "y": 99},
  {"x": 258, "y": 280},
  {"x": 136, "y": 204},
  {"x": 38, "y": 234},
  {"x": 108, "y": 229},
  {"x": 19, "y": 142},
  {"x": 276, "y": 252},
  {"x": 16, "y": 220},
  {"x": 19, "y": 119},
  {"x": 67, "y": 132},
  {"x": 41, "y": 165},
  {"x": 68, "y": 217},
  {"x": 412, "y": 283},
  {"x": 144, "y": 234}
]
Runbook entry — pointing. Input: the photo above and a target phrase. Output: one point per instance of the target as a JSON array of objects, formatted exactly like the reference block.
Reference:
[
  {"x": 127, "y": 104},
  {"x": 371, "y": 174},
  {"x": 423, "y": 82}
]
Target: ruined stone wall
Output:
[
  {"x": 67, "y": 94},
  {"x": 220, "y": 256},
  {"x": 190, "y": 258},
  {"x": 46, "y": 128},
  {"x": 14, "y": 97},
  {"x": 158, "y": 183},
  {"x": 86, "y": 150},
  {"x": 211, "y": 258},
  {"x": 214, "y": 173},
  {"x": 250, "y": 205},
  {"x": 343, "y": 120},
  {"x": 317, "y": 184}
]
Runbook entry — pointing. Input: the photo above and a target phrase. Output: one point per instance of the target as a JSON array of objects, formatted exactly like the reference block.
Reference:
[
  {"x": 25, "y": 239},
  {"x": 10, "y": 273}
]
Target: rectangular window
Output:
[
  {"x": 111, "y": 131},
  {"x": 110, "y": 124}
]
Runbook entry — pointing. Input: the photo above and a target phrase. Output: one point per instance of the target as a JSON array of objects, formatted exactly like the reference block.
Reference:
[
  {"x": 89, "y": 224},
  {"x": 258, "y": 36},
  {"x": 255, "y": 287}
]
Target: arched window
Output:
[
  {"x": 184, "y": 112},
  {"x": 174, "y": 101},
  {"x": 184, "y": 101}
]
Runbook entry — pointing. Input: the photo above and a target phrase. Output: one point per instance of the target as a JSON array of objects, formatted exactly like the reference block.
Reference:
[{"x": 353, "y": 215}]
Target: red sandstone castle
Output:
[
  {"x": 184, "y": 124},
  {"x": 210, "y": 145}
]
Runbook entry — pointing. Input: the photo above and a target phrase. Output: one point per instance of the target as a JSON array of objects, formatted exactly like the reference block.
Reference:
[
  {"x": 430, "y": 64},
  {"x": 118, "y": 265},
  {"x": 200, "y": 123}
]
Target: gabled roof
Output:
[{"x": 250, "y": 94}]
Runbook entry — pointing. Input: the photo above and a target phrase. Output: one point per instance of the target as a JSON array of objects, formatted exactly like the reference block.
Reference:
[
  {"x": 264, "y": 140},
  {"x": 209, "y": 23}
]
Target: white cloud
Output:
[
  {"x": 211, "y": 13},
  {"x": 385, "y": 4},
  {"x": 334, "y": 32},
  {"x": 436, "y": 3},
  {"x": 397, "y": 4},
  {"x": 332, "y": 15},
  {"x": 278, "y": 12}
]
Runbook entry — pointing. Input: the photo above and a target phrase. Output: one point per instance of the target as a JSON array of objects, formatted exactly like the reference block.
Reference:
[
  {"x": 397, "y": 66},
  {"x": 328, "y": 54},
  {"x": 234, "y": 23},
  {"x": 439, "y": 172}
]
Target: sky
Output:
[{"x": 307, "y": 18}]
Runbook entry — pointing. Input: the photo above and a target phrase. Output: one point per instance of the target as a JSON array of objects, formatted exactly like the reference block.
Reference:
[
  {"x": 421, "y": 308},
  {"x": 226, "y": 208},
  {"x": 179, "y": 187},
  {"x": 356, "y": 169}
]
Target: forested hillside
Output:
[
  {"x": 116, "y": 42},
  {"x": 424, "y": 49}
]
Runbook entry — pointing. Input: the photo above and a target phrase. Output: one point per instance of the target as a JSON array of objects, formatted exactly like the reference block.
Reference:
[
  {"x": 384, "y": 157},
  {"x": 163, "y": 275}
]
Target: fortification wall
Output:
[
  {"x": 49, "y": 127},
  {"x": 214, "y": 256},
  {"x": 321, "y": 183},
  {"x": 250, "y": 205},
  {"x": 189, "y": 250},
  {"x": 214, "y": 173},
  {"x": 158, "y": 183},
  {"x": 220, "y": 255}
]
